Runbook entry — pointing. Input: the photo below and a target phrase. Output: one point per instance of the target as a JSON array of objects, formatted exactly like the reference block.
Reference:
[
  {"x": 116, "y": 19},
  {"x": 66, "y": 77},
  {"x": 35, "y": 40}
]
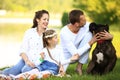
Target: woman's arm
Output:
[
  {"x": 26, "y": 59},
  {"x": 24, "y": 49}
]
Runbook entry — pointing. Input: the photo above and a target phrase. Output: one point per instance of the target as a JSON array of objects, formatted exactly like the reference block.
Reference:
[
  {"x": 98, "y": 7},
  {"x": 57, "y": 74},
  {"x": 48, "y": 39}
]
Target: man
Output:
[{"x": 76, "y": 39}]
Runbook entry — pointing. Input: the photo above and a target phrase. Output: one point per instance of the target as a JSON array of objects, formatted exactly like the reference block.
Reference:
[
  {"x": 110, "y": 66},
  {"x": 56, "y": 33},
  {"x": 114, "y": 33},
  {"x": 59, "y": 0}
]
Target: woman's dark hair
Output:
[
  {"x": 38, "y": 15},
  {"x": 74, "y": 16}
]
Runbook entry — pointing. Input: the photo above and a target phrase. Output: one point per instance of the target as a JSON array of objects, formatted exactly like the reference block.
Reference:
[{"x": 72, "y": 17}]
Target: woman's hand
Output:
[
  {"x": 27, "y": 61},
  {"x": 31, "y": 64}
]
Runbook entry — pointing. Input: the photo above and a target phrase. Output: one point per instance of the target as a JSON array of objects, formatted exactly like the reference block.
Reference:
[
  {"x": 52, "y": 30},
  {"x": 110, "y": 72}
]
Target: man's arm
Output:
[{"x": 105, "y": 35}]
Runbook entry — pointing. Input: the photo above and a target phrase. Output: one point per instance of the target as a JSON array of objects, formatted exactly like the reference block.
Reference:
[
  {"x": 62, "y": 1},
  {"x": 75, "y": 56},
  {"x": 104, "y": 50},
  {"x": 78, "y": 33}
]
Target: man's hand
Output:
[
  {"x": 105, "y": 35},
  {"x": 75, "y": 57},
  {"x": 94, "y": 39}
]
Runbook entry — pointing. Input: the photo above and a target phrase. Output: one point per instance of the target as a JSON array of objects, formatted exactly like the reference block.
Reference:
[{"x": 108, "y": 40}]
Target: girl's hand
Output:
[
  {"x": 61, "y": 71},
  {"x": 42, "y": 55}
]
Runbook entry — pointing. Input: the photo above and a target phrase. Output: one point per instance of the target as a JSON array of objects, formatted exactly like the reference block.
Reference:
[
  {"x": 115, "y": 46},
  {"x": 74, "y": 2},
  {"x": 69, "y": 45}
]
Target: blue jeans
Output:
[
  {"x": 46, "y": 65},
  {"x": 16, "y": 69},
  {"x": 26, "y": 68}
]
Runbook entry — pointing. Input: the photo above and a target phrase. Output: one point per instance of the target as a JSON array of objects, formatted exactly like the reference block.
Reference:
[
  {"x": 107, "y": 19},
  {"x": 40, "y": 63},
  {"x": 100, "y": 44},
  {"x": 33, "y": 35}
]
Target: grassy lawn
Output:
[
  {"x": 16, "y": 31},
  {"x": 110, "y": 76},
  {"x": 74, "y": 76}
]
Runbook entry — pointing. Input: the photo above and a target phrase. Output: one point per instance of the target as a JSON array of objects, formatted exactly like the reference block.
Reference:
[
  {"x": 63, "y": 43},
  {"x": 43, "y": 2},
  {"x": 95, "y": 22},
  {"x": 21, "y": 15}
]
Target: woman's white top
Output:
[
  {"x": 32, "y": 45},
  {"x": 57, "y": 54}
]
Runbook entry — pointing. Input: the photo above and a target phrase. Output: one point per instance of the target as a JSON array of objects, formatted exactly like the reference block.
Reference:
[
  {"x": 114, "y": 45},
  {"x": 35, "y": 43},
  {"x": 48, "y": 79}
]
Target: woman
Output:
[{"x": 31, "y": 45}]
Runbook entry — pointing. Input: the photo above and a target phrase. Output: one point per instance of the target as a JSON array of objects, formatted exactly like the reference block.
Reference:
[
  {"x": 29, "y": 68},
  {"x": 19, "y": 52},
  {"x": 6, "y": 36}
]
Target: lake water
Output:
[
  {"x": 9, "y": 53},
  {"x": 8, "y": 48}
]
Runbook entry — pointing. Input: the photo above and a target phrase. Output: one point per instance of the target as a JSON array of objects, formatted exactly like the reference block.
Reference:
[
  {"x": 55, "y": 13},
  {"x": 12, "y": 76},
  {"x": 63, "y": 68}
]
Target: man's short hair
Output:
[{"x": 74, "y": 16}]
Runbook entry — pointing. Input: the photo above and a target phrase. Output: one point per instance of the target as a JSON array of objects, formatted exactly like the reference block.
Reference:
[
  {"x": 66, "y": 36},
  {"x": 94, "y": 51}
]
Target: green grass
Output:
[
  {"x": 74, "y": 76},
  {"x": 71, "y": 70}
]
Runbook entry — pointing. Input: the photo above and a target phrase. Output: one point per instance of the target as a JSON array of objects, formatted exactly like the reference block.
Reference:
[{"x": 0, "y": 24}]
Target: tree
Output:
[
  {"x": 100, "y": 11},
  {"x": 64, "y": 19}
]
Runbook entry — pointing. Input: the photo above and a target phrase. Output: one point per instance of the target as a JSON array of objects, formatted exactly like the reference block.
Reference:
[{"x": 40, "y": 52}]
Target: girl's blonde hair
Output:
[{"x": 47, "y": 35}]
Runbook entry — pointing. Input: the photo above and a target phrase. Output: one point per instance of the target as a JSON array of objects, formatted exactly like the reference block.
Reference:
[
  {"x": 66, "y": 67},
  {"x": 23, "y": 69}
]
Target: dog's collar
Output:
[{"x": 100, "y": 41}]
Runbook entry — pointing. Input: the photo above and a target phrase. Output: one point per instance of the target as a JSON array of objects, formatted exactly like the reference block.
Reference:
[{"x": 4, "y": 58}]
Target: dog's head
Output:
[{"x": 96, "y": 28}]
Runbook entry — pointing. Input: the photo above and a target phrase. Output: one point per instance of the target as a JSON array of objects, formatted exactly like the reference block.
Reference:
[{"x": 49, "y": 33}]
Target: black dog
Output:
[{"x": 104, "y": 55}]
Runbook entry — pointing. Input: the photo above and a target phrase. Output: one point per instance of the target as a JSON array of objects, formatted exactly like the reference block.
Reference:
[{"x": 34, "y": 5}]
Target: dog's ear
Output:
[
  {"x": 107, "y": 27},
  {"x": 92, "y": 27}
]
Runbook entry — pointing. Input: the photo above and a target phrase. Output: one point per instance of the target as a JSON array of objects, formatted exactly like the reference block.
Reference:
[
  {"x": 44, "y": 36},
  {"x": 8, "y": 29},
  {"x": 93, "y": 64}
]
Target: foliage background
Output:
[
  {"x": 100, "y": 11},
  {"x": 107, "y": 10}
]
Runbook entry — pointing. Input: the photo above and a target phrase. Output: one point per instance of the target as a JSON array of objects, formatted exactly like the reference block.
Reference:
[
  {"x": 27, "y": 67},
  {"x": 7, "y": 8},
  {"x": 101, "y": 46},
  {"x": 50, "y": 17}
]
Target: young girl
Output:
[
  {"x": 53, "y": 53},
  {"x": 51, "y": 58}
]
